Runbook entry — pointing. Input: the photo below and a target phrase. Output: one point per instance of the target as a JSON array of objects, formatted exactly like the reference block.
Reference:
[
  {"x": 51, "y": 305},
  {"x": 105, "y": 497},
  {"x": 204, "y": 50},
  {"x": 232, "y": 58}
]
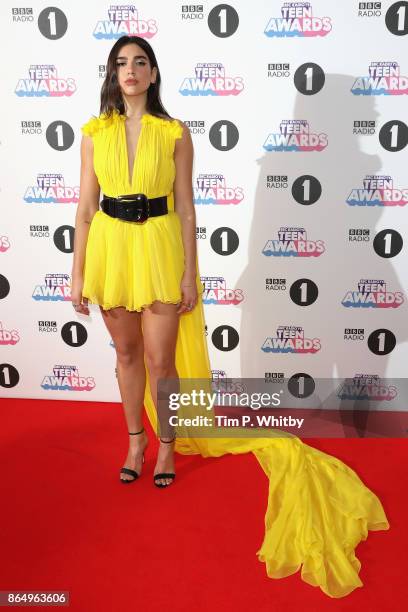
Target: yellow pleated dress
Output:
[{"x": 318, "y": 508}]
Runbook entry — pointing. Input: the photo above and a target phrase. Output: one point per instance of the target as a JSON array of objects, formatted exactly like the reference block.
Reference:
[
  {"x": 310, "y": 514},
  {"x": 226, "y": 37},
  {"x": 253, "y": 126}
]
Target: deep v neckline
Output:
[{"x": 130, "y": 171}]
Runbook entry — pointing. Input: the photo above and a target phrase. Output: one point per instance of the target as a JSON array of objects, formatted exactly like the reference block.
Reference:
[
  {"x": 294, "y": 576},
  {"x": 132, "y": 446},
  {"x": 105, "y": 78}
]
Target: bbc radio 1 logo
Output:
[
  {"x": 56, "y": 288},
  {"x": 124, "y": 20},
  {"x": 274, "y": 377},
  {"x": 201, "y": 232},
  {"x": 217, "y": 292},
  {"x": 52, "y": 22},
  {"x": 293, "y": 242},
  {"x": 213, "y": 189},
  {"x": 387, "y": 243},
  {"x": 101, "y": 71},
  {"x": 364, "y": 127},
  {"x": 276, "y": 181},
  {"x": 51, "y": 189},
  {"x": 67, "y": 378},
  {"x": 4, "y": 244},
  {"x": 372, "y": 293},
  {"x": 306, "y": 189},
  {"x": 291, "y": 339},
  {"x": 192, "y": 12},
  {"x": 309, "y": 78},
  {"x": 29, "y": 128},
  {"x": 63, "y": 236},
  {"x": 369, "y": 9},
  {"x": 222, "y": 20},
  {"x": 366, "y": 387},
  {"x": 196, "y": 126},
  {"x": 8, "y": 336},
  {"x": 218, "y": 375},
  {"x": 295, "y": 135},
  {"x": 354, "y": 334},
  {"x": 275, "y": 284},
  {"x": 211, "y": 80},
  {"x": 396, "y": 18},
  {"x": 359, "y": 234},
  {"x": 303, "y": 291},
  {"x": 73, "y": 333},
  {"x": 297, "y": 19},
  {"x": 378, "y": 190},
  {"x": 9, "y": 376},
  {"x": 393, "y": 135},
  {"x": 44, "y": 80},
  {"x": 278, "y": 70},
  {"x": 22, "y": 15},
  {"x": 384, "y": 78}
]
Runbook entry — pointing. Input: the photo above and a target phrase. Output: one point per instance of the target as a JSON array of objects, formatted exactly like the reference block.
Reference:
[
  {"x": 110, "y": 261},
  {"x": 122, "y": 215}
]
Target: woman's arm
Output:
[
  {"x": 184, "y": 206},
  {"x": 183, "y": 199},
  {"x": 89, "y": 192}
]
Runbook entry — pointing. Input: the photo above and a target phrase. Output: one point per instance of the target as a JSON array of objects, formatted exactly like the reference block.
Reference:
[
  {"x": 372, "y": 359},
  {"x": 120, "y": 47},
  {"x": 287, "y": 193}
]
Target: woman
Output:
[
  {"x": 137, "y": 272},
  {"x": 144, "y": 276}
]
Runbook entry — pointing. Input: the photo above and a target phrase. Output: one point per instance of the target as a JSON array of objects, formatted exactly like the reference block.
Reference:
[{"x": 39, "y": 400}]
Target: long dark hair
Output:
[{"x": 111, "y": 95}]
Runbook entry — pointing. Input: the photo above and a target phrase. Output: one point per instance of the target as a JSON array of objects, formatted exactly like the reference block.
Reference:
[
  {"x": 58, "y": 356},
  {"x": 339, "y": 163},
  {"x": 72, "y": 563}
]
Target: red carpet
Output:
[{"x": 67, "y": 523}]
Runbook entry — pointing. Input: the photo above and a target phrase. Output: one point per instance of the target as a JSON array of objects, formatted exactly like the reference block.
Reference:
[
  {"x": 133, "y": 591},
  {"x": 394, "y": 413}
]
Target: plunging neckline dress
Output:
[{"x": 318, "y": 508}]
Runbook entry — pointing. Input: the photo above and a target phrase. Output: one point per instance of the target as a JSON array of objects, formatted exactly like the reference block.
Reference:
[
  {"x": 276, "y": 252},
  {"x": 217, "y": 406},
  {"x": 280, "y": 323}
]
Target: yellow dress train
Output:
[{"x": 318, "y": 508}]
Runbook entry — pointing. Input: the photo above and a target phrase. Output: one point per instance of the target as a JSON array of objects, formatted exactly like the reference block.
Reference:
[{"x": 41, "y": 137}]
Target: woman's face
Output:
[{"x": 133, "y": 70}]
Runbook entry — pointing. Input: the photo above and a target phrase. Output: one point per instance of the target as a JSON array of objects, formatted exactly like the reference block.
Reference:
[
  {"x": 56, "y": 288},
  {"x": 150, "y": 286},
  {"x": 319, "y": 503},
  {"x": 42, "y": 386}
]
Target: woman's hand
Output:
[
  {"x": 79, "y": 303},
  {"x": 189, "y": 295}
]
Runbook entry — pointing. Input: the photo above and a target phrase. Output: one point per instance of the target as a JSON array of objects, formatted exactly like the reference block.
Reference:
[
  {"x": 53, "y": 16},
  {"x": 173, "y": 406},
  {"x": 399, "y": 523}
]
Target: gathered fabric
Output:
[{"x": 318, "y": 509}]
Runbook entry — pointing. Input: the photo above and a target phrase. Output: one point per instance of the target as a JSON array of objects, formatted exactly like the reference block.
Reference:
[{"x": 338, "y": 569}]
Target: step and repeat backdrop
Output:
[{"x": 298, "y": 114}]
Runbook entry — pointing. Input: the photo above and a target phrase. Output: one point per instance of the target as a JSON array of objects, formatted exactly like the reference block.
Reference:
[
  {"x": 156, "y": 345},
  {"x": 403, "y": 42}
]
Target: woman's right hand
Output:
[{"x": 79, "y": 303}]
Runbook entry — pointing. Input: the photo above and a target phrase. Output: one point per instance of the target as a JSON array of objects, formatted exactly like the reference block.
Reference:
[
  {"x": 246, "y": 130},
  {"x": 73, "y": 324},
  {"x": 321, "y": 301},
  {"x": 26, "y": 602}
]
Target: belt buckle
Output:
[{"x": 135, "y": 207}]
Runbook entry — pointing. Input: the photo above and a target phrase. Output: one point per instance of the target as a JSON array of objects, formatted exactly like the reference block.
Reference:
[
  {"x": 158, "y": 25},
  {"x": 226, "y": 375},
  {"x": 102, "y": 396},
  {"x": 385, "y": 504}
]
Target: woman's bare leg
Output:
[
  {"x": 160, "y": 328},
  {"x": 126, "y": 332}
]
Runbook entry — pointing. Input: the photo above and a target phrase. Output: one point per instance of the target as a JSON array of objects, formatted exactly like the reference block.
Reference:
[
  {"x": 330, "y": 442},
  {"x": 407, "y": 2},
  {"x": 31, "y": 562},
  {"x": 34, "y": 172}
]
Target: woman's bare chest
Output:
[{"x": 132, "y": 136}]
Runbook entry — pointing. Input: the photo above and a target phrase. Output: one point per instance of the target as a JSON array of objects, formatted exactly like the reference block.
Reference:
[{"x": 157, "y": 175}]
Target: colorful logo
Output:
[
  {"x": 366, "y": 387},
  {"x": 4, "y": 244},
  {"x": 383, "y": 78},
  {"x": 51, "y": 189},
  {"x": 212, "y": 189},
  {"x": 377, "y": 190},
  {"x": 57, "y": 288},
  {"x": 295, "y": 135},
  {"x": 290, "y": 339},
  {"x": 67, "y": 378},
  {"x": 297, "y": 20},
  {"x": 372, "y": 294},
  {"x": 43, "y": 80},
  {"x": 124, "y": 20},
  {"x": 8, "y": 336},
  {"x": 216, "y": 292},
  {"x": 293, "y": 242},
  {"x": 211, "y": 80}
]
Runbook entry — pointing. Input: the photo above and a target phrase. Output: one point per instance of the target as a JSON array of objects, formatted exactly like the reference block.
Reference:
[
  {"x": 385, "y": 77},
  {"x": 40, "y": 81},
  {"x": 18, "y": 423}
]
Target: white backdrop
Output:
[{"x": 281, "y": 80}]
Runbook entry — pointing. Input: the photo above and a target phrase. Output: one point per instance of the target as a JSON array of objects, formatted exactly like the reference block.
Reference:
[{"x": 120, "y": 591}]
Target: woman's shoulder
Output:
[
  {"x": 174, "y": 126},
  {"x": 103, "y": 121}
]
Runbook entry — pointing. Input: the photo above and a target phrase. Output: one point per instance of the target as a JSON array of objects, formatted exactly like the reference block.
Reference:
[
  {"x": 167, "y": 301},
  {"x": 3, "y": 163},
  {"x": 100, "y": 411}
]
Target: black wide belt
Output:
[{"x": 136, "y": 207}]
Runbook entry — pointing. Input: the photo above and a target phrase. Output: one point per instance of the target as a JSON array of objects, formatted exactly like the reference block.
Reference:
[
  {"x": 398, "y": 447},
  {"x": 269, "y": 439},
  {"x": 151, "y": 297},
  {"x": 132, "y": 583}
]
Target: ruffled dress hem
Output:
[{"x": 106, "y": 306}]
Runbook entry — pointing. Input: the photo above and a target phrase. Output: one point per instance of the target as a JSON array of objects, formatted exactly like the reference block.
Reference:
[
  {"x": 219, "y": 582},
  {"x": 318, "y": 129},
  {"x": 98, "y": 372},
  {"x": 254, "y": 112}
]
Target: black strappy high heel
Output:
[
  {"x": 128, "y": 471},
  {"x": 164, "y": 474}
]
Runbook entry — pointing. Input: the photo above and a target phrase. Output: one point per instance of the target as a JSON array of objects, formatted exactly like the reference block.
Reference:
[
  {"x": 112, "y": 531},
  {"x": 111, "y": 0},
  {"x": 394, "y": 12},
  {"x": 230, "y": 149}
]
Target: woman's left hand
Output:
[{"x": 189, "y": 295}]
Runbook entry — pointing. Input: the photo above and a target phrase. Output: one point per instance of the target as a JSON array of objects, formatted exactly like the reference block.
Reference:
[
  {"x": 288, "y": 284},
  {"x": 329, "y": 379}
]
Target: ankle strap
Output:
[
  {"x": 136, "y": 432},
  {"x": 167, "y": 441}
]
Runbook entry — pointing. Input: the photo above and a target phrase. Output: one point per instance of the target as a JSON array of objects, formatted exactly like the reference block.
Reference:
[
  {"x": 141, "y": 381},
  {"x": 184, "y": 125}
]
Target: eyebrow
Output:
[{"x": 134, "y": 57}]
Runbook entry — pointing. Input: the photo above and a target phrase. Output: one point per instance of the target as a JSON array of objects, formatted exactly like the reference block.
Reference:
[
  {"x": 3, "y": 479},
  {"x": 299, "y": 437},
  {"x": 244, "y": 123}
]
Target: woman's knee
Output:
[
  {"x": 129, "y": 354},
  {"x": 159, "y": 364}
]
